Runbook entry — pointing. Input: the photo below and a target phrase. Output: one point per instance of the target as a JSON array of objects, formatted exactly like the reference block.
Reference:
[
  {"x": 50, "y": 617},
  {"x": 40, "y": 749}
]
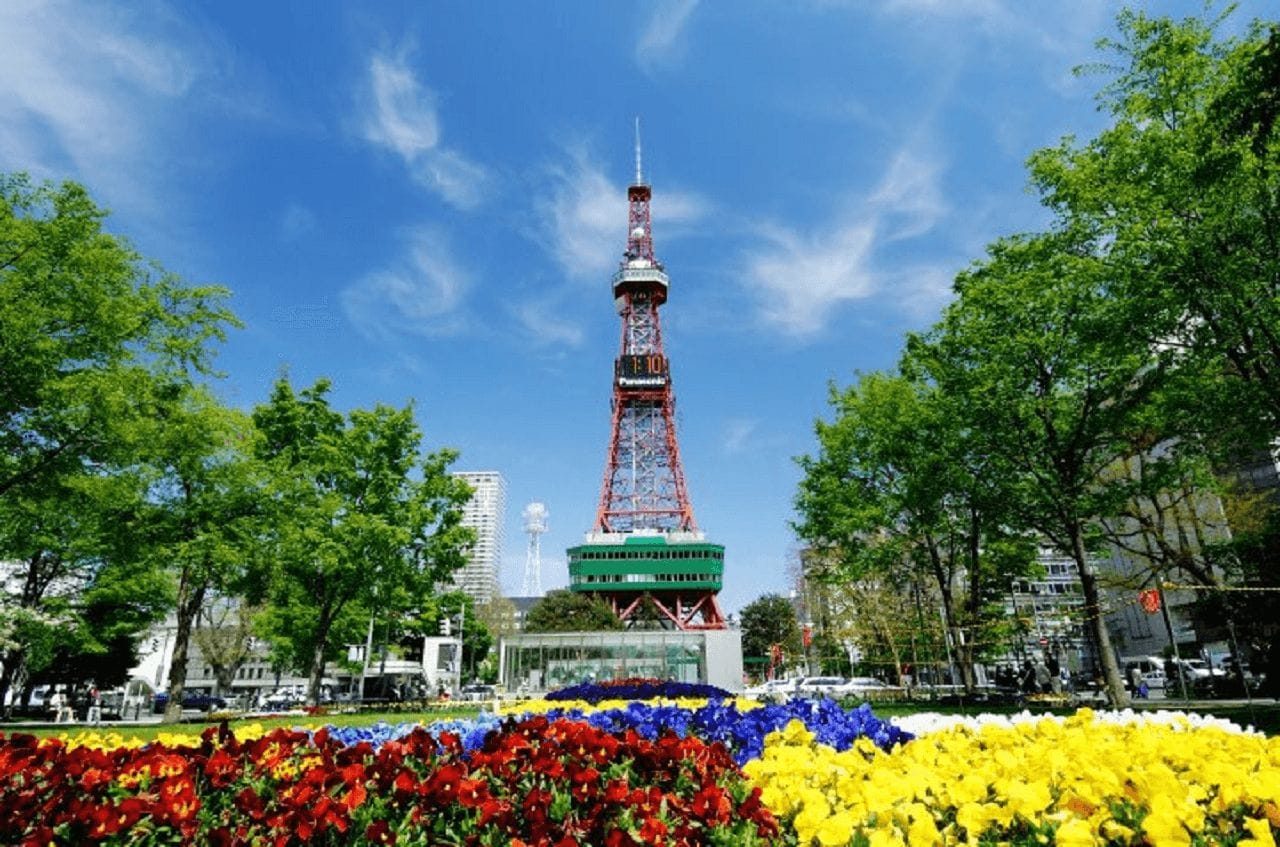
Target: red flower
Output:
[
  {"x": 221, "y": 769},
  {"x": 379, "y": 832},
  {"x": 443, "y": 784},
  {"x": 712, "y": 804}
]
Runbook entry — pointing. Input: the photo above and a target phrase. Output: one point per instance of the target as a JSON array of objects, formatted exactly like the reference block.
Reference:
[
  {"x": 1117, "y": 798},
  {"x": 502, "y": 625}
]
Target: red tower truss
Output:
[
  {"x": 645, "y": 555},
  {"x": 644, "y": 485}
]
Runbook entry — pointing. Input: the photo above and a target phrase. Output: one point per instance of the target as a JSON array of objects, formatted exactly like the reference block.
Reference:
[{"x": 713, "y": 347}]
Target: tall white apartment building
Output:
[{"x": 484, "y": 513}]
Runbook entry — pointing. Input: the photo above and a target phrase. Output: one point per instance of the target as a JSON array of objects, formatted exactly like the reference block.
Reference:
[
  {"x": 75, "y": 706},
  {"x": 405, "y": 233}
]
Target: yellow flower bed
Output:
[
  {"x": 1075, "y": 782},
  {"x": 538, "y": 707},
  {"x": 115, "y": 740}
]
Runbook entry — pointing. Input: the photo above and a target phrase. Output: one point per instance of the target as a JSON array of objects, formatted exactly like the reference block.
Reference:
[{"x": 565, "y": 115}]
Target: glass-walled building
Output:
[{"x": 537, "y": 662}]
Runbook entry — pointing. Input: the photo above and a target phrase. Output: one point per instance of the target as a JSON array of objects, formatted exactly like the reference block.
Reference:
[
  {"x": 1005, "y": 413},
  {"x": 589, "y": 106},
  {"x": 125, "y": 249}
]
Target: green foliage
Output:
[
  {"x": 93, "y": 340},
  {"x": 358, "y": 521},
  {"x": 569, "y": 611},
  {"x": 901, "y": 493},
  {"x": 767, "y": 621}
]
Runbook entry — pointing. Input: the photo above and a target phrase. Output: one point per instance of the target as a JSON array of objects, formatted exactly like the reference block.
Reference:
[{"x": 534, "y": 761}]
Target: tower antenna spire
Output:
[{"x": 639, "y": 171}]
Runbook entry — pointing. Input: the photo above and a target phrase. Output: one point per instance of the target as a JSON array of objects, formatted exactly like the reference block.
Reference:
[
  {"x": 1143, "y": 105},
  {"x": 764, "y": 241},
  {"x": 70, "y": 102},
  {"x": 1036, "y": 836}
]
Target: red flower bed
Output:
[{"x": 538, "y": 783}]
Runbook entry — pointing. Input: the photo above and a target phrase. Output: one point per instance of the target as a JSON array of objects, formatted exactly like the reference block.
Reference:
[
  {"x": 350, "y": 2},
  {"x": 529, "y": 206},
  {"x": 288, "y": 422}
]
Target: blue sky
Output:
[{"x": 424, "y": 201}]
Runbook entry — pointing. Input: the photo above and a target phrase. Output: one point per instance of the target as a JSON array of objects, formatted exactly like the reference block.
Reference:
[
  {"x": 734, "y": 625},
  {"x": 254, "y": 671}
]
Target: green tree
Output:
[
  {"x": 86, "y": 325},
  {"x": 899, "y": 490},
  {"x": 568, "y": 611},
  {"x": 90, "y": 335},
  {"x": 201, "y": 516},
  {"x": 768, "y": 621},
  {"x": 1184, "y": 187},
  {"x": 1182, "y": 192},
  {"x": 224, "y": 635},
  {"x": 360, "y": 521},
  {"x": 1039, "y": 359}
]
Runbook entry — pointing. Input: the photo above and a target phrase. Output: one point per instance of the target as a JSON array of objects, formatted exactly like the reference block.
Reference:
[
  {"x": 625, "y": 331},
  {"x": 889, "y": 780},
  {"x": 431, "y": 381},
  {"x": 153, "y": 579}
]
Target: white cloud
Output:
[
  {"x": 738, "y": 435},
  {"x": 586, "y": 217},
  {"x": 548, "y": 329},
  {"x": 403, "y": 119},
  {"x": 909, "y": 195},
  {"x": 87, "y": 90},
  {"x": 801, "y": 278},
  {"x": 421, "y": 294},
  {"x": 663, "y": 37}
]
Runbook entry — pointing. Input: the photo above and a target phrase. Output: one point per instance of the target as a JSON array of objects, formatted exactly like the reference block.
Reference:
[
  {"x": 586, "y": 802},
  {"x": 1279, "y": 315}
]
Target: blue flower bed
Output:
[
  {"x": 744, "y": 732},
  {"x": 638, "y": 689},
  {"x": 471, "y": 731}
]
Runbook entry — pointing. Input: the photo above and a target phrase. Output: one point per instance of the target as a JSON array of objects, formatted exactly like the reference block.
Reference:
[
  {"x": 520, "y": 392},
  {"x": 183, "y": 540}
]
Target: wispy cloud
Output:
[
  {"x": 546, "y": 328},
  {"x": 908, "y": 196},
  {"x": 1054, "y": 30},
  {"x": 738, "y": 435},
  {"x": 421, "y": 294},
  {"x": 663, "y": 38},
  {"x": 585, "y": 216},
  {"x": 403, "y": 119},
  {"x": 801, "y": 278},
  {"x": 87, "y": 90}
]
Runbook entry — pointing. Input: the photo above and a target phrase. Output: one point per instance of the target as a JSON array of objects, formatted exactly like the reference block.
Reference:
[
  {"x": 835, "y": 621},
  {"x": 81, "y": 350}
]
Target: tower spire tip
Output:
[{"x": 639, "y": 170}]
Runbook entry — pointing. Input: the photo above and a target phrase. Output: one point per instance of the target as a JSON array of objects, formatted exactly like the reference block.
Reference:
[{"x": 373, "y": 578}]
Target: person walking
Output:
[
  {"x": 55, "y": 705},
  {"x": 95, "y": 706}
]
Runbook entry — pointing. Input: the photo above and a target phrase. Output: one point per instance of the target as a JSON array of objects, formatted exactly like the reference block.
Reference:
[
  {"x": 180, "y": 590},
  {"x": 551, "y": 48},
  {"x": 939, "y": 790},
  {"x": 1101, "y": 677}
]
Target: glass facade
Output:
[{"x": 537, "y": 662}]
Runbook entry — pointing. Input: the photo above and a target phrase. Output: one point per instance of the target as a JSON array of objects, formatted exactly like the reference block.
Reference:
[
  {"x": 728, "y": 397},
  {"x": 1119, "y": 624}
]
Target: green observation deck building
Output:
[{"x": 662, "y": 580}]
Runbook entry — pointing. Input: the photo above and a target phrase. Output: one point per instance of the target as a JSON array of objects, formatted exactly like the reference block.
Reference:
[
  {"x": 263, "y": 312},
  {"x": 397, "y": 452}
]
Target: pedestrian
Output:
[
  {"x": 55, "y": 705},
  {"x": 95, "y": 706},
  {"x": 1137, "y": 683},
  {"x": 1043, "y": 677}
]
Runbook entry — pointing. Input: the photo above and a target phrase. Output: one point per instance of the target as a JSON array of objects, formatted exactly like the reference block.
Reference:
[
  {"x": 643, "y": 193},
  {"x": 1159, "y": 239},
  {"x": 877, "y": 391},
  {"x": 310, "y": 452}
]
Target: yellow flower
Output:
[
  {"x": 1259, "y": 833},
  {"x": 835, "y": 831},
  {"x": 1075, "y": 832}
]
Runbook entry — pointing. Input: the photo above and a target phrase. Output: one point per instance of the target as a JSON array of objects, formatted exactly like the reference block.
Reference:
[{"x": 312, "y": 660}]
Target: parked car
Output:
[
  {"x": 771, "y": 689},
  {"x": 477, "y": 692},
  {"x": 820, "y": 686},
  {"x": 868, "y": 688}
]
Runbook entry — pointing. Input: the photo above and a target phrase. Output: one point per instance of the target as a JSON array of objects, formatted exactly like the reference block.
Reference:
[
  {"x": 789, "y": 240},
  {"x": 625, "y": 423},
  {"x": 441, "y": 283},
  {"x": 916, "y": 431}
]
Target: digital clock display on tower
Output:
[{"x": 641, "y": 371}]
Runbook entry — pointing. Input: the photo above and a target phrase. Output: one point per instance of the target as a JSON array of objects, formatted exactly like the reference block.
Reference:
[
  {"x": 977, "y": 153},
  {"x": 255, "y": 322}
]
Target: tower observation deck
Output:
[{"x": 645, "y": 555}]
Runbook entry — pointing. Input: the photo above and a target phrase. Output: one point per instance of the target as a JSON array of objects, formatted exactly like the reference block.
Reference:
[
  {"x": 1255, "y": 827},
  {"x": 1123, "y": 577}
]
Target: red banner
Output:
[{"x": 1149, "y": 600}]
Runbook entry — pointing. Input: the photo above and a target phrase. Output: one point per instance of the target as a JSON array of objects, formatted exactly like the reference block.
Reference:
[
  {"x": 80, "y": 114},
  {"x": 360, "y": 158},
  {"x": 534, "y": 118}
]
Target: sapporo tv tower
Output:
[{"x": 645, "y": 556}]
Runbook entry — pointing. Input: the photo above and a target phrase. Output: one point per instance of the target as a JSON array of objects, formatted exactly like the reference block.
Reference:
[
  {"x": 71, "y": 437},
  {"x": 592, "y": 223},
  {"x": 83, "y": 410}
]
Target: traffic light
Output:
[{"x": 446, "y": 628}]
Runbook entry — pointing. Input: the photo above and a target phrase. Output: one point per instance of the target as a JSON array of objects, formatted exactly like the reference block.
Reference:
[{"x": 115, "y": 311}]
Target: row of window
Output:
[
  {"x": 1048, "y": 588},
  {"x": 647, "y": 577},
  {"x": 241, "y": 673},
  {"x": 647, "y": 554}
]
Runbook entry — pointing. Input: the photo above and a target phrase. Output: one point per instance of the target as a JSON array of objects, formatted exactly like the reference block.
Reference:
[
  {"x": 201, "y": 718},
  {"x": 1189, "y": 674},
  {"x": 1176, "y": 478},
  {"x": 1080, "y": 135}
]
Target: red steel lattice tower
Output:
[
  {"x": 645, "y": 556},
  {"x": 644, "y": 485}
]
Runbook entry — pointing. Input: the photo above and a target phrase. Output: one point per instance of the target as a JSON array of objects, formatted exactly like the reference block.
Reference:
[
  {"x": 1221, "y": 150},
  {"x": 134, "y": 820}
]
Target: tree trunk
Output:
[
  {"x": 190, "y": 598},
  {"x": 951, "y": 629},
  {"x": 317, "y": 655},
  {"x": 1117, "y": 697},
  {"x": 317, "y": 674}
]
